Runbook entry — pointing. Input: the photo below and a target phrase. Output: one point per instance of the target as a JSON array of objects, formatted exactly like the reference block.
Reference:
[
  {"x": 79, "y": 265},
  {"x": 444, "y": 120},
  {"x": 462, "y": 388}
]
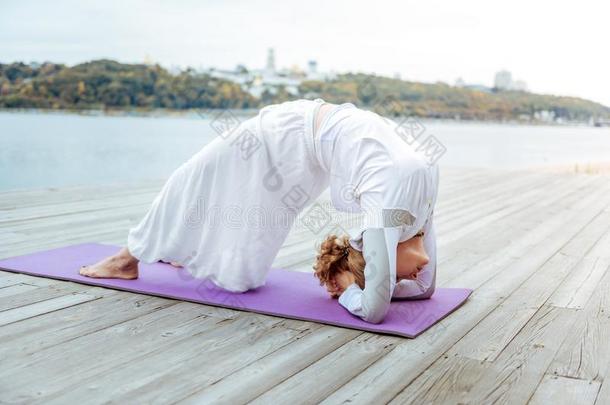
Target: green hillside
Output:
[{"x": 106, "y": 84}]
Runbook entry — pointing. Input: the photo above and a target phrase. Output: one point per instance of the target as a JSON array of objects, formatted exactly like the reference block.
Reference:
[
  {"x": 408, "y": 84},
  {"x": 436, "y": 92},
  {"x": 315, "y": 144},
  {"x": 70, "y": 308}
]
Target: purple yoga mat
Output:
[{"x": 286, "y": 293}]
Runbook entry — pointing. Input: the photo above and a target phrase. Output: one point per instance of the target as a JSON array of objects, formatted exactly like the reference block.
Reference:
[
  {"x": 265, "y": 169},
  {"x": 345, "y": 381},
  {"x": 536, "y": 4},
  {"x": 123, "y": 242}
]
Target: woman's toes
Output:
[{"x": 87, "y": 271}]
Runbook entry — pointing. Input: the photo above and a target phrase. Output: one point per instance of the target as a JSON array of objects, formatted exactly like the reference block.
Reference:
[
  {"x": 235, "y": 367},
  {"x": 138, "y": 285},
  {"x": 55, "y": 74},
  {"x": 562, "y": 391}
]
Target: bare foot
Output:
[{"x": 120, "y": 265}]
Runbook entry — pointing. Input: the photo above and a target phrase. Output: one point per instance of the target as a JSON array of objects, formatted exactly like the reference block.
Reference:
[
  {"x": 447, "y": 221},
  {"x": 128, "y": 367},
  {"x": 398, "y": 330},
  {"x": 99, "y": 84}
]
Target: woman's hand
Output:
[
  {"x": 333, "y": 289},
  {"x": 339, "y": 283},
  {"x": 344, "y": 279}
]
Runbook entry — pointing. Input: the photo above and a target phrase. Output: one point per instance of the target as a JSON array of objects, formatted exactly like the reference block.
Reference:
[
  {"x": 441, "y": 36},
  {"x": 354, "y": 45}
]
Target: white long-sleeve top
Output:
[
  {"x": 375, "y": 171},
  {"x": 380, "y": 246}
]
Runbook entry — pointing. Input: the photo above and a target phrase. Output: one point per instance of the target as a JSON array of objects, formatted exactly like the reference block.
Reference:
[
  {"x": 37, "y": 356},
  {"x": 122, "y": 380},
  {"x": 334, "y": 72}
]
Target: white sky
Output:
[{"x": 557, "y": 47}]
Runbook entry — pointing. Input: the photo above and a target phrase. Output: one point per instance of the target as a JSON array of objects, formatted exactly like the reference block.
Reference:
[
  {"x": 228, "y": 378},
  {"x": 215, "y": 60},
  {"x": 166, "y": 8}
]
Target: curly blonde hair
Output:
[{"x": 336, "y": 255}]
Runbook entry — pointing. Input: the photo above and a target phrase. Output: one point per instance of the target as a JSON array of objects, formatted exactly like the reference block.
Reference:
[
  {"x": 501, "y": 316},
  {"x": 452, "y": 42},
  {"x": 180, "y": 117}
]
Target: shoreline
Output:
[
  {"x": 589, "y": 168},
  {"x": 212, "y": 112},
  {"x": 577, "y": 168}
]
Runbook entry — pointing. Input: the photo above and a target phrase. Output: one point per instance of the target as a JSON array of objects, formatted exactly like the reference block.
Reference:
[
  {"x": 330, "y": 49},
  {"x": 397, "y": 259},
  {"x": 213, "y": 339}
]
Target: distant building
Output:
[
  {"x": 270, "y": 79},
  {"x": 544, "y": 116},
  {"x": 600, "y": 122},
  {"x": 270, "y": 61},
  {"x": 312, "y": 67},
  {"x": 520, "y": 85},
  {"x": 503, "y": 80},
  {"x": 148, "y": 60},
  {"x": 459, "y": 82}
]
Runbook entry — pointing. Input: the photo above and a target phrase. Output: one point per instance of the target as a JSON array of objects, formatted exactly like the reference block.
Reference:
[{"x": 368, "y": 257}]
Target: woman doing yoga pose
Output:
[{"x": 224, "y": 214}]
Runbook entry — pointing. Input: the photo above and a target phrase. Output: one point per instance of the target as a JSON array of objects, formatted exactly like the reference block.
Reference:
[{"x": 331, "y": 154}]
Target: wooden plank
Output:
[
  {"x": 461, "y": 182},
  {"x": 54, "y": 370},
  {"x": 8, "y": 217},
  {"x": 505, "y": 182},
  {"x": 520, "y": 231},
  {"x": 50, "y": 329},
  {"x": 521, "y": 366},
  {"x": 187, "y": 364},
  {"x": 603, "y": 397},
  {"x": 12, "y": 199},
  {"x": 444, "y": 372},
  {"x": 44, "y": 307},
  {"x": 39, "y": 294},
  {"x": 511, "y": 379},
  {"x": 492, "y": 335},
  {"x": 16, "y": 289},
  {"x": 177, "y": 386},
  {"x": 488, "y": 216},
  {"x": 261, "y": 375},
  {"x": 61, "y": 240},
  {"x": 9, "y": 278},
  {"x": 554, "y": 233},
  {"x": 97, "y": 222},
  {"x": 487, "y": 201},
  {"x": 449, "y": 386},
  {"x": 585, "y": 352},
  {"x": 487, "y": 340},
  {"x": 565, "y": 391},
  {"x": 322, "y": 378},
  {"x": 547, "y": 196},
  {"x": 577, "y": 289},
  {"x": 120, "y": 215},
  {"x": 385, "y": 378}
]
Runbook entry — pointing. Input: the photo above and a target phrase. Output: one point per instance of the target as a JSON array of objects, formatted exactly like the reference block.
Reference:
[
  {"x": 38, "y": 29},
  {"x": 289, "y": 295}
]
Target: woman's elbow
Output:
[
  {"x": 375, "y": 316},
  {"x": 428, "y": 293},
  {"x": 427, "y": 289},
  {"x": 425, "y": 294},
  {"x": 374, "y": 319}
]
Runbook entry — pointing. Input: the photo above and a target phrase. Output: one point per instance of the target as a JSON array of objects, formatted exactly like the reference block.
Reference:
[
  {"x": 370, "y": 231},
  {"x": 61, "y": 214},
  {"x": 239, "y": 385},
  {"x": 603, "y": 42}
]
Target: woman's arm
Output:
[
  {"x": 423, "y": 286},
  {"x": 379, "y": 250}
]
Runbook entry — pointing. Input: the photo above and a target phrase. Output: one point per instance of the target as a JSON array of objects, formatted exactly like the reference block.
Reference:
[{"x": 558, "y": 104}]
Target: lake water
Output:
[{"x": 54, "y": 149}]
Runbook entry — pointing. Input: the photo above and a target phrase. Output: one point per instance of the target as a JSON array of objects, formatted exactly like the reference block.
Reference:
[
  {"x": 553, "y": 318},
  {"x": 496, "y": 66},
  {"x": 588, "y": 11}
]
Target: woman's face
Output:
[{"x": 411, "y": 257}]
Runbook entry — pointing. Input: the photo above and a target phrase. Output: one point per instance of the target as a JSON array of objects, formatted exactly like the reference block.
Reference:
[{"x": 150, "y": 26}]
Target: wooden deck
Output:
[{"x": 534, "y": 246}]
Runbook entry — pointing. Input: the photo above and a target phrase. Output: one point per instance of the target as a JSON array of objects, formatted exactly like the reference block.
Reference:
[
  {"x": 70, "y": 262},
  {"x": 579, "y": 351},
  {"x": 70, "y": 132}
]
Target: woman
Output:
[{"x": 225, "y": 213}]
